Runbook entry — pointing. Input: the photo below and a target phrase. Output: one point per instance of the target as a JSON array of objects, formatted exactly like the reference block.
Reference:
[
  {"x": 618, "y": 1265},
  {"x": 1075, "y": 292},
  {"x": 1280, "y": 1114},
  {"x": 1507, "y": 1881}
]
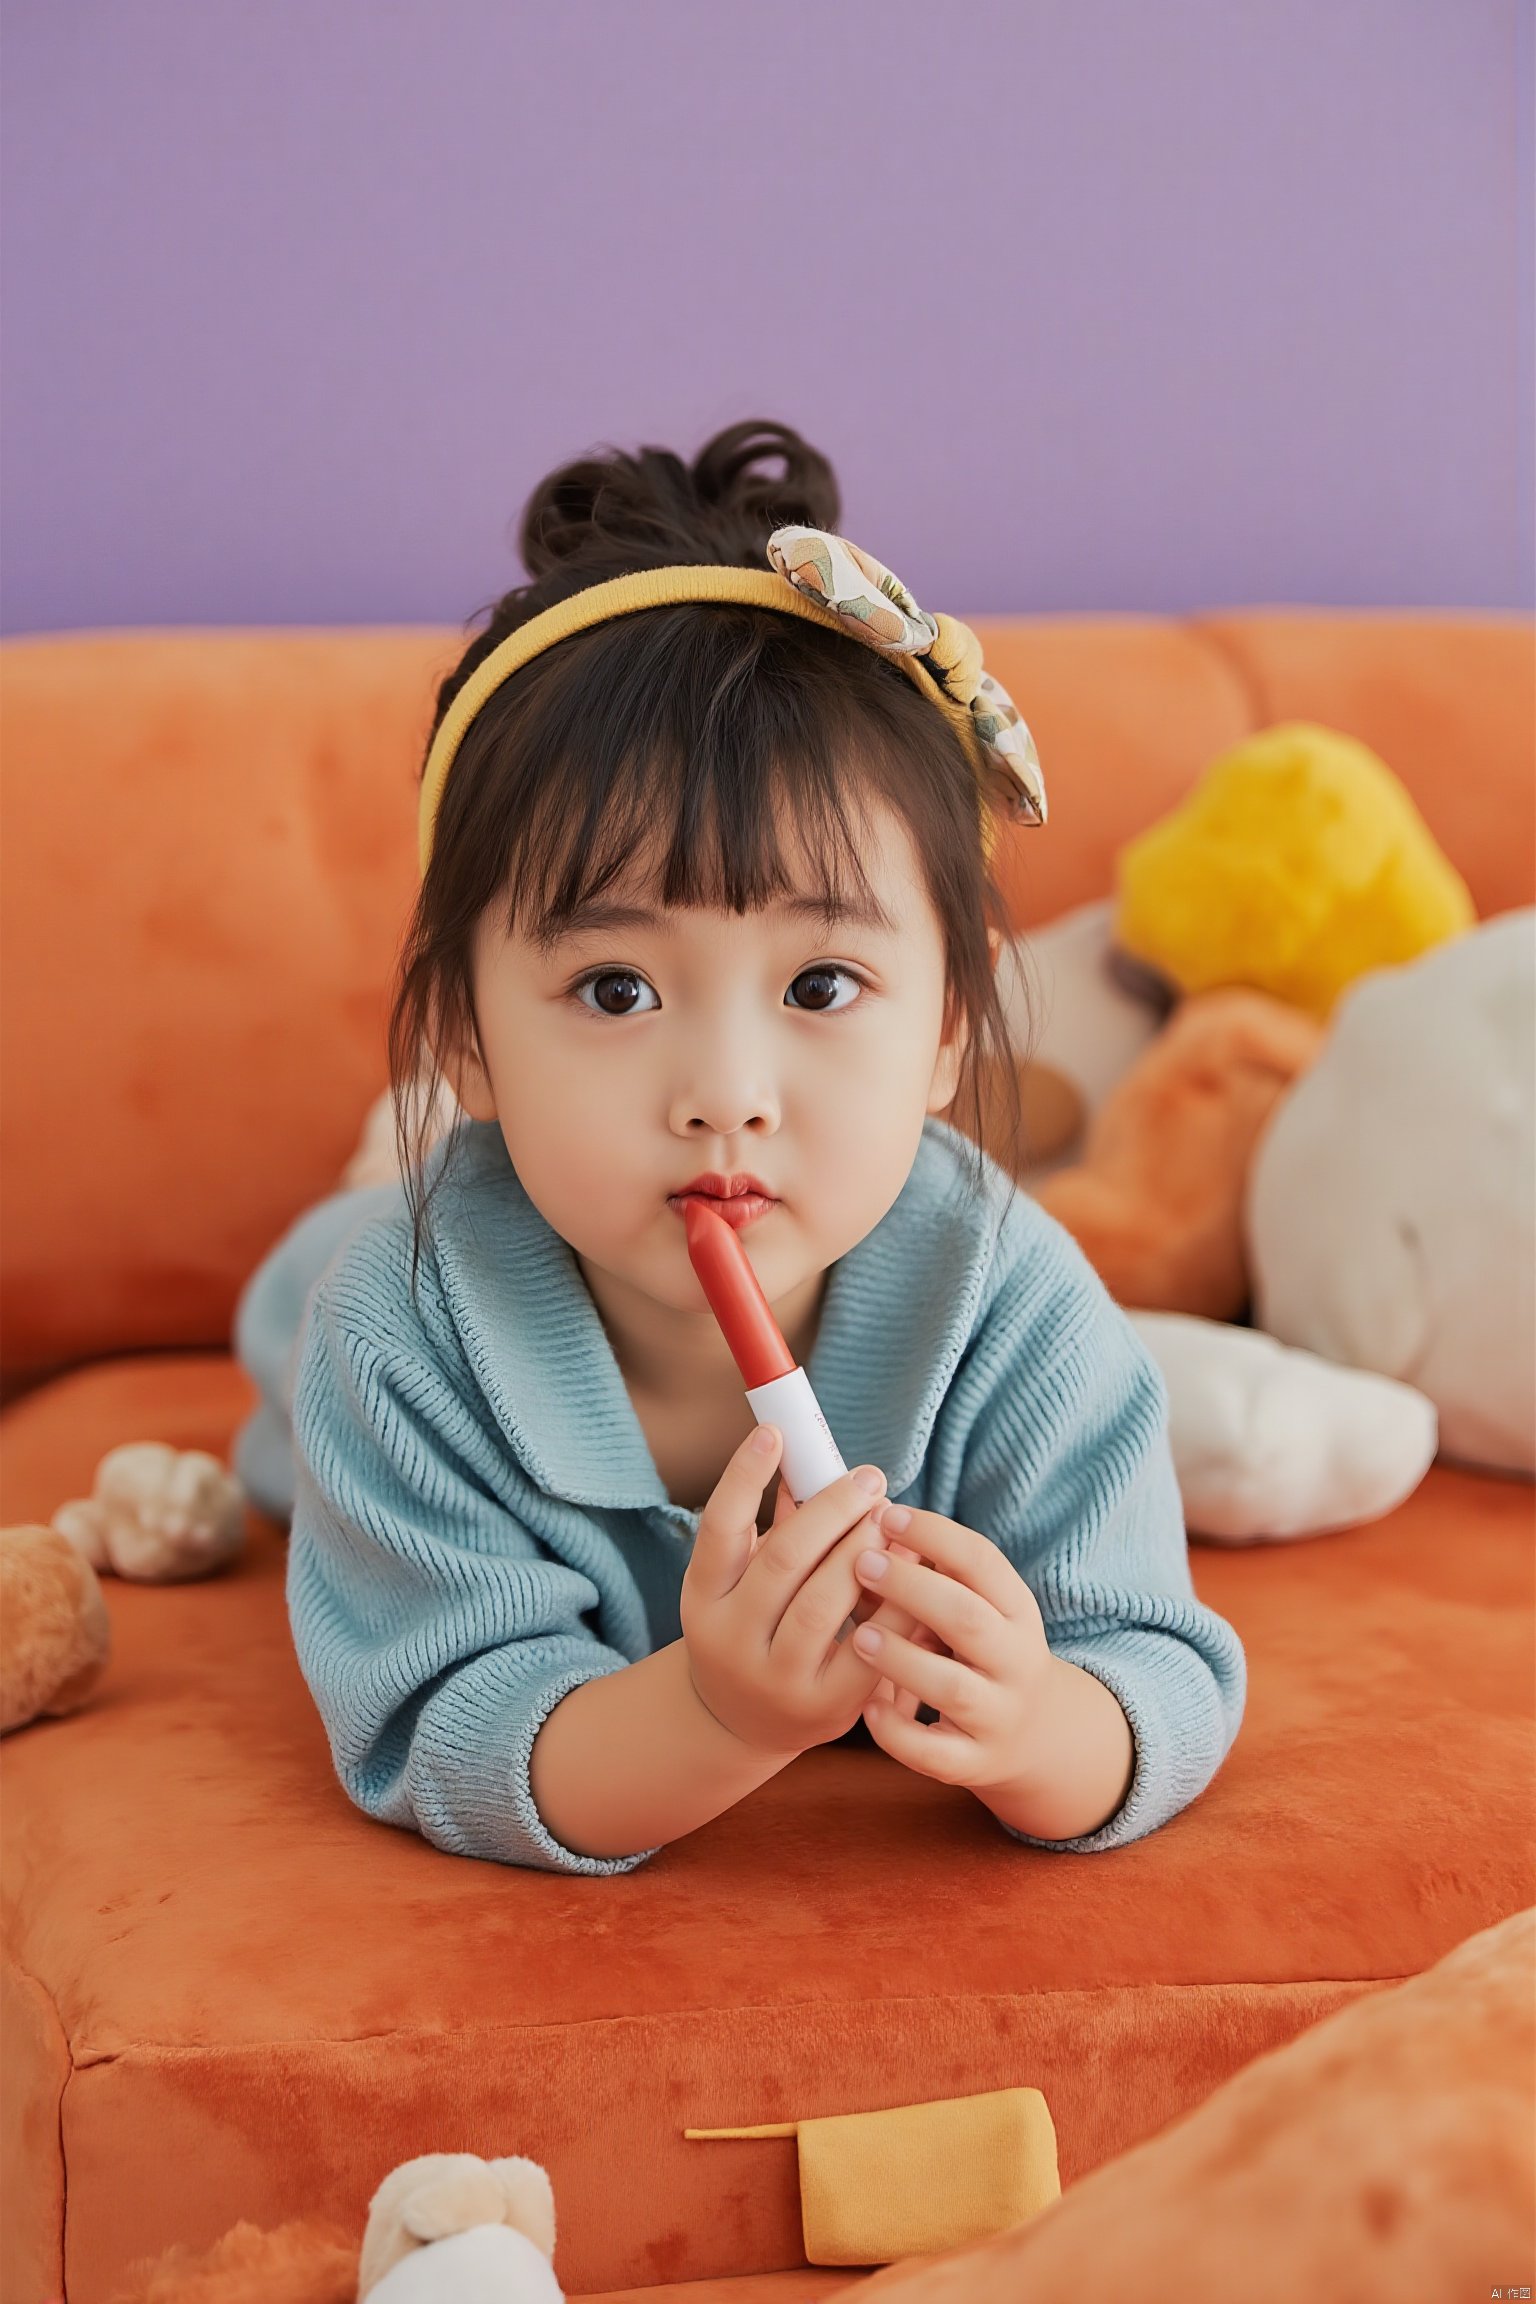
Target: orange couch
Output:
[{"x": 230, "y": 1995}]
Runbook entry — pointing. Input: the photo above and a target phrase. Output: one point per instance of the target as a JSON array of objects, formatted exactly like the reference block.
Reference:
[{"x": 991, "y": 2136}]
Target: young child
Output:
[{"x": 707, "y": 822}]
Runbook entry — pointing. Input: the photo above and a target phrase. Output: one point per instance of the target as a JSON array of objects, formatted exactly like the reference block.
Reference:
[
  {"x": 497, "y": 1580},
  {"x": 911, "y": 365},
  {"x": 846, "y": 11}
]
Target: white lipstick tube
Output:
[{"x": 811, "y": 1459}]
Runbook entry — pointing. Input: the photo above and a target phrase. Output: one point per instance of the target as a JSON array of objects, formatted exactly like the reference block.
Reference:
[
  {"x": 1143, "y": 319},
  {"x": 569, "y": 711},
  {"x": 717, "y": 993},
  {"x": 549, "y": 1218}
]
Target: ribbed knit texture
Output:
[{"x": 479, "y": 1526}]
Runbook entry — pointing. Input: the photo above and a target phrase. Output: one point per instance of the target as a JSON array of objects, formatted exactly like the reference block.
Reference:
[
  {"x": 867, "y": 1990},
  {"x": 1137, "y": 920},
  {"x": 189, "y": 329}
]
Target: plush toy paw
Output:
[
  {"x": 157, "y": 1515},
  {"x": 1156, "y": 1203},
  {"x": 1270, "y": 1443},
  {"x": 54, "y": 1632},
  {"x": 454, "y": 2229}
]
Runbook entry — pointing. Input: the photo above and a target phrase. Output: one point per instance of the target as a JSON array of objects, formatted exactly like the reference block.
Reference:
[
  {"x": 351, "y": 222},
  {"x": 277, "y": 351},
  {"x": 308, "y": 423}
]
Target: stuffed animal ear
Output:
[
  {"x": 1049, "y": 1112},
  {"x": 455, "y": 2200},
  {"x": 528, "y": 2200}
]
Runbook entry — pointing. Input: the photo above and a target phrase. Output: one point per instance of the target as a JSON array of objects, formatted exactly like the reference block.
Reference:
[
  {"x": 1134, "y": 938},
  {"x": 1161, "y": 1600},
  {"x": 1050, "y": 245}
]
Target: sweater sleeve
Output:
[
  {"x": 434, "y": 1633},
  {"x": 1069, "y": 1470},
  {"x": 268, "y": 1328}
]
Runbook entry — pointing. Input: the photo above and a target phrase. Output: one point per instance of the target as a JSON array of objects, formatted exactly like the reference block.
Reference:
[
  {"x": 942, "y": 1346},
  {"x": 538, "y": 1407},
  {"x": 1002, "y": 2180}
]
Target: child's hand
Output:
[
  {"x": 761, "y": 1618},
  {"x": 978, "y": 1656}
]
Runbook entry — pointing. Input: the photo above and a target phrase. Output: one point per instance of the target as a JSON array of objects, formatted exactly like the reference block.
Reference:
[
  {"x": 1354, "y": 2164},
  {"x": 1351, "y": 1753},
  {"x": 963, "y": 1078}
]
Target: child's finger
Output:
[
  {"x": 845, "y": 1666},
  {"x": 933, "y": 1675},
  {"x": 947, "y": 1754},
  {"x": 887, "y": 1691},
  {"x": 872, "y": 1605},
  {"x": 789, "y": 1555},
  {"x": 886, "y": 1616},
  {"x": 727, "y": 1534},
  {"x": 970, "y": 1560},
  {"x": 965, "y": 1623},
  {"x": 812, "y": 1624}
]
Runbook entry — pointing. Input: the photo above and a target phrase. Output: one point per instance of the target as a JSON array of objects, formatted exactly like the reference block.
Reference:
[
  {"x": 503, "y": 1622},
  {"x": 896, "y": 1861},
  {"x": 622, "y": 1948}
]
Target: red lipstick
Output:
[{"x": 778, "y": 1390}]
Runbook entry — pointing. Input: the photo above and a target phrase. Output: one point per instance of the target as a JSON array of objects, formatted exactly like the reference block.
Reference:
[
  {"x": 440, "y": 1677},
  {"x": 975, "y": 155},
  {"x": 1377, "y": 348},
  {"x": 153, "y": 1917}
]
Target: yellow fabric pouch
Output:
[{"x": 921, "y": 2178}]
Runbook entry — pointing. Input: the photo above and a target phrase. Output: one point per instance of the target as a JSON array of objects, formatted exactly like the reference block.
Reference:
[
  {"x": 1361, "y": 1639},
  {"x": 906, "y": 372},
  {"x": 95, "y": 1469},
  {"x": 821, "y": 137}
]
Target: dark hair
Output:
[{"x": 688, "y": 721}]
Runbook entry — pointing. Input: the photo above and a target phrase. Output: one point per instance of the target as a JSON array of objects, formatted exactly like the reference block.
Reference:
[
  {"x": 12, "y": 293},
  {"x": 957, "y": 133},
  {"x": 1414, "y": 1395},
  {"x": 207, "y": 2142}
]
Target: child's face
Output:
[{"x": 630, "y": 1059}]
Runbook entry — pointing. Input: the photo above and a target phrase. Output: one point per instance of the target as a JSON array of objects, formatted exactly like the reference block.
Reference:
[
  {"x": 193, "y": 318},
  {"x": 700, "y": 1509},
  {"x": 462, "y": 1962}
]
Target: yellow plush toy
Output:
[{"x": 1296, "y": 864}]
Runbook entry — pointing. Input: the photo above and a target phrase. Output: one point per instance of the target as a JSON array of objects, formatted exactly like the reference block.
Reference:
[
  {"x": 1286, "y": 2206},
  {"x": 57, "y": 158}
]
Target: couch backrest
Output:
[{"x": 208, "y": 838}]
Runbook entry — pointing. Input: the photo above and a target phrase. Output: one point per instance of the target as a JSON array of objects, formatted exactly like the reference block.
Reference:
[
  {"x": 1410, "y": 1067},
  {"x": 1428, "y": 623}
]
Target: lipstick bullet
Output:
[{"x": 778, "y": 1389}]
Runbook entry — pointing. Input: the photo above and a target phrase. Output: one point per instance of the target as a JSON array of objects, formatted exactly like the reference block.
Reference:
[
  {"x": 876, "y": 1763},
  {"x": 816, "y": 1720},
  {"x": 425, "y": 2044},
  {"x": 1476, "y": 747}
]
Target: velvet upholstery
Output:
[
  {"x": 1390, "y": 2152},
  {"x": 263, "y": 2000},
  {"x": 228, "y": 1995}
]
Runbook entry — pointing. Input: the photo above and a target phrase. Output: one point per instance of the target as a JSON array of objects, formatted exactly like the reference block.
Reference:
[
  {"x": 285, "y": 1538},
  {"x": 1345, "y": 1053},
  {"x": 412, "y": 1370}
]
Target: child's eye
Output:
[
  {"x": 628, "y": 983},
  {"x": 821, "y": 1004}
]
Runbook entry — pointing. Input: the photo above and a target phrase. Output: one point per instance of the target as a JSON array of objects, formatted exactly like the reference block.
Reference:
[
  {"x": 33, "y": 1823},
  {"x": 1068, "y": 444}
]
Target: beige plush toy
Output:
[
  {"x": 452, "y": 2229},
  {"x": 54, "y": 1632},
  {"x": 157, "y": 1515}
]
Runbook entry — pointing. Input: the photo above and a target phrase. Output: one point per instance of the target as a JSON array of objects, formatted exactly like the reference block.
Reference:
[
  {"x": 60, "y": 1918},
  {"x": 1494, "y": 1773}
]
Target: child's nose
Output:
[{"x": 726, "y": 1109}]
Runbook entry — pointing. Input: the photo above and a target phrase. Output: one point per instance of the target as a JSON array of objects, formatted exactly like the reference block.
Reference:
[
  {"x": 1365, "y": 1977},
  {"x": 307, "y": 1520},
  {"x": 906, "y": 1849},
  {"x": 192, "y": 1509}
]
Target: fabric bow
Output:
[{"x": 878, "y": 609}]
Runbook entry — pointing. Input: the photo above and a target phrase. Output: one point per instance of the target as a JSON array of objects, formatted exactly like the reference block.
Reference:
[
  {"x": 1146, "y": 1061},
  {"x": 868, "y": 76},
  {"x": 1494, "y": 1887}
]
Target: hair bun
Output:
[
  {"x": 806, "y": 495},
  {"x": 654, "y": 509}
]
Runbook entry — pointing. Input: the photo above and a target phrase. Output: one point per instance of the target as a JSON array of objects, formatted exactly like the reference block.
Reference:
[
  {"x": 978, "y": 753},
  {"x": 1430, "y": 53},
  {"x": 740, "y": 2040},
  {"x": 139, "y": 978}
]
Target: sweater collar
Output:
[{"x": 896, "y": 1314}]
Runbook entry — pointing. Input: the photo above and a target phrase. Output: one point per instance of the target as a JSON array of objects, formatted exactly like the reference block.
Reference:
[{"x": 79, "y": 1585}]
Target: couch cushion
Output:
[
  {"x": 243, "y": 1999},
  {"x": 210, "y": 843}
]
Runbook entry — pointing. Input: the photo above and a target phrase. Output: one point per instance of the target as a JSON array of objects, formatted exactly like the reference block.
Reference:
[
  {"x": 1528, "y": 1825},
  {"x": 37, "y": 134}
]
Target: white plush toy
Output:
[
  {"x": 1270, "y": 1443},
  {"x": 453, "y": 2229},
  {"x": 1391, "y": 1204},
  {"x": 157, "y": 1515}
]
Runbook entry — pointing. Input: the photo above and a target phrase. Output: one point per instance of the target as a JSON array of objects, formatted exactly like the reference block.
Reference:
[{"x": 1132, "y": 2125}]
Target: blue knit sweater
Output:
[{"x": 479, "y": 1526}]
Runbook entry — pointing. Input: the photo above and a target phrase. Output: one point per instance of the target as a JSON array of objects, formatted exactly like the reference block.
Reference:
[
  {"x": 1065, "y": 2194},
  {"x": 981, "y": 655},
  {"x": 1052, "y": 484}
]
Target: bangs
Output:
[
  {"x": 698, "y": 756},
  {"x": 696, "y": 830}
]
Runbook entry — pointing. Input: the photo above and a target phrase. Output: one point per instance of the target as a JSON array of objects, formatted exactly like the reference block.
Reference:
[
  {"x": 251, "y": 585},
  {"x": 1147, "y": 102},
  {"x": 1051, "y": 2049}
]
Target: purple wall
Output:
[{"x": 1095, "y": 304}]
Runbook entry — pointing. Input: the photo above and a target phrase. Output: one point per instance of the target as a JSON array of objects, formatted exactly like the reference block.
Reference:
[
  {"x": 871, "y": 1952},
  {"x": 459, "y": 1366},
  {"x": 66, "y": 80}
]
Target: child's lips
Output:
[{"x": 740, "y": 1211}]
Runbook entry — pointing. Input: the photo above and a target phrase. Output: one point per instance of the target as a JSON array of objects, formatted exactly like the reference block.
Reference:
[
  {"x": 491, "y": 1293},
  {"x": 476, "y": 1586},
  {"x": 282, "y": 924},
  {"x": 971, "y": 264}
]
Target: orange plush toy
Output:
[{"x": 1156, "y": 1202}]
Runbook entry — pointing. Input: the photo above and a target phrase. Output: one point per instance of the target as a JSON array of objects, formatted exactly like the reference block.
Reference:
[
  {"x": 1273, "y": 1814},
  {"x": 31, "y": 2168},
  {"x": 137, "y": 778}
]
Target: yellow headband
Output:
[{"x": 979, "y": 710}]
